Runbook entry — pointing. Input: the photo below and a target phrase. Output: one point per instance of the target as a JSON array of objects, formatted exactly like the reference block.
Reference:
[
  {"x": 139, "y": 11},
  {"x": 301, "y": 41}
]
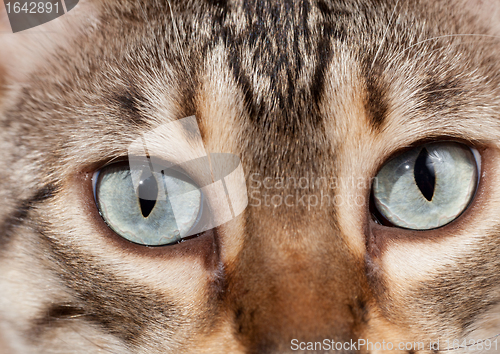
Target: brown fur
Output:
[{"x": 296, "y": 89}]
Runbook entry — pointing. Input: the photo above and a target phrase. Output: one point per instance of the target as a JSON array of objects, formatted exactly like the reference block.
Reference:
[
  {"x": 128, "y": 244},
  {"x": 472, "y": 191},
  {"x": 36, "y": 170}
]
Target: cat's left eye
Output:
[
  {"x": 426, "y": 187},
  {"x": 152, "y": 213}
]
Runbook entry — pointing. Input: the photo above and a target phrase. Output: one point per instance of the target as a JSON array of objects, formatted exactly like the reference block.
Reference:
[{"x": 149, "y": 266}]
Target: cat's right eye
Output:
[{"x": 145, "y": 214}]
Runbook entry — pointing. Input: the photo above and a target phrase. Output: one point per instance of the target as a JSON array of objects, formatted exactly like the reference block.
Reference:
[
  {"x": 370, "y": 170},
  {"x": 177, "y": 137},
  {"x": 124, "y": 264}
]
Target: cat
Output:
[{"x": 368, "y": 132}]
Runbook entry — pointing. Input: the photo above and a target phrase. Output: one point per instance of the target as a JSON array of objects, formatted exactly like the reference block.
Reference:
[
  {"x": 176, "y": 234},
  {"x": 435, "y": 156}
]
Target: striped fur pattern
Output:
[{"x": 311, "y": 89}]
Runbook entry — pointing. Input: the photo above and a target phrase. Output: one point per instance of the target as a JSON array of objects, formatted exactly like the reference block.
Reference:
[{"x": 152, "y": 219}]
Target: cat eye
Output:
[
  {"x": 426, "y": 187},
  {"x": 146, "y": 215}
]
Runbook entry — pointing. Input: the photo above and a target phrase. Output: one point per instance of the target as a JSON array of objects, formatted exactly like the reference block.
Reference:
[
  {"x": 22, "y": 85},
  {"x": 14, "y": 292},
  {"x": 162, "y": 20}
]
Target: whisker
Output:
[
  {"x": 451, "y": 35},
  {"x": 178, "y": 37},
  {"x": 400, "y": 54},
  {"x": 447, "y": 89},
  {"x": 385, "y": 34},
  {"x": 452, "y": 45}
]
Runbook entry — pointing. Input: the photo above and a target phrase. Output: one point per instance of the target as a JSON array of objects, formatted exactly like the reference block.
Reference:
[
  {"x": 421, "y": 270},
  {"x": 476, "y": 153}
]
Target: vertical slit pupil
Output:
[
  {"x": 425, "y": 175},
  {"x": 148, "y": 193}
]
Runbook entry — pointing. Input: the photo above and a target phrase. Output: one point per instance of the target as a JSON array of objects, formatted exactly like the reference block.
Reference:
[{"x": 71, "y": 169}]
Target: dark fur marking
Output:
[
  {"x": 187, "y": 104},
  {"x": 62, "y": 311},
  {"x": 18, "y": 216},
  {"x": 375, "y": 101},
  {"x": 238, "y": 313},
  {"x": 122, "y": 309},
  {"x": 220, "y": 10},
  {"x": 273, "y": 37},
  {"x": 244, "y": 82},
  {"x": 220, "y": 4},
  {"x": 132, "y": 103},
  {"x": 324, "y": 8},
  {"x": 359, "y": 310},
  {"x": 52, "y": 317},
  {"x": 324, "y": 54},
  {"x": 442, "y": 94},
  {"x": 335, "y": 20},
  {"x": 376, "y": 104}
]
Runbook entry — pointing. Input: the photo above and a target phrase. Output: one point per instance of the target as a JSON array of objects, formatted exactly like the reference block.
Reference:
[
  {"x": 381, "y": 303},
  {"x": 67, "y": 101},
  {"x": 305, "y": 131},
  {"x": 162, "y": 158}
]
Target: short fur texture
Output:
[{"x": 297, "y": 88}]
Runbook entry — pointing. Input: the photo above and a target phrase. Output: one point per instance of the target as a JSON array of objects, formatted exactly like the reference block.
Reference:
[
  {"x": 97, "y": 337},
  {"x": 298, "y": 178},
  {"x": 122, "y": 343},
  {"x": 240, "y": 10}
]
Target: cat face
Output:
[{"x": 319, "y": 100}]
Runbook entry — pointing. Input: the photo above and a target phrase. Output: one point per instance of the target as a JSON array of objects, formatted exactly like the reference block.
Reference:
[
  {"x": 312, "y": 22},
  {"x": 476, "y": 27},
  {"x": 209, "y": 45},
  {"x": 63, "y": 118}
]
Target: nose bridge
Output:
[{"x": 295, "y": 279}]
